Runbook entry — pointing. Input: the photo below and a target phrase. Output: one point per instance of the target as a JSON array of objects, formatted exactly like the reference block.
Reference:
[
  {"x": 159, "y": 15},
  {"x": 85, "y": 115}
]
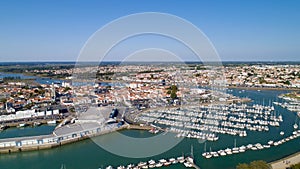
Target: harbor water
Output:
[
  {"x": 88, "y": 155},
  {"x": 26, "y": 131},
  {"x": 40, "y": 80}
]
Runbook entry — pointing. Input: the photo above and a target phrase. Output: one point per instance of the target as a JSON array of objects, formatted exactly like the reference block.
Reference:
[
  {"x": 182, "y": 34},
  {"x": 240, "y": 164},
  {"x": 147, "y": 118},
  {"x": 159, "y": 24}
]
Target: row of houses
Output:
[{"x": 28, "y": 114}]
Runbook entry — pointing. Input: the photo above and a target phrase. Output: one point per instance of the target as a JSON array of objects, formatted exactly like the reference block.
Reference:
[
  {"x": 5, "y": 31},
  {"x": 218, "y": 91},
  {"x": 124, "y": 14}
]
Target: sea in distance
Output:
[
  {"x": 119, "y": 62},
  {"x": 88, "y": 155}
]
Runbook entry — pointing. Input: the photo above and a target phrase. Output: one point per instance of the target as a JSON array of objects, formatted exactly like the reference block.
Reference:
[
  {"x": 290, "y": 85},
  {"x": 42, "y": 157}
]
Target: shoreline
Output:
[
  {"x": 50, "y": 145},
  {"x": 280, "y": 164},
  {"x": 277, "y": 164},
  {"x": 112, "y": 81},
  {"x": 263, "y": 88}
]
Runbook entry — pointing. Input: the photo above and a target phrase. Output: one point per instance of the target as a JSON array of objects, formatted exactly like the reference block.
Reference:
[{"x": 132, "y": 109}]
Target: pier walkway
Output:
[
  {"x": 89, "y": 124},
  {"x": 286, "y": 162},
  {"x": 65, "y": 135}
]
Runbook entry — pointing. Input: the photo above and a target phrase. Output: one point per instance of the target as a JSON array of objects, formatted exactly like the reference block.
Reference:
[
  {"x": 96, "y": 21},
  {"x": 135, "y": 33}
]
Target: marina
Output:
[
  {"x": 254, "y": 147},
  {"x": 228, "y": 161},
  {"x": 187, "y": 162},
  {"x": 151, "y": 85},
  {"x": 292, "y": 104},
  {"x": 206, "y": 122}
]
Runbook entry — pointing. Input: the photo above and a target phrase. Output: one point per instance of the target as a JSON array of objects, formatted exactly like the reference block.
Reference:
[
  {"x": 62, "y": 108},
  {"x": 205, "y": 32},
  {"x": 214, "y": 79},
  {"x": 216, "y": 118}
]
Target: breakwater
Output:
[{"x": 20, "y": 144}]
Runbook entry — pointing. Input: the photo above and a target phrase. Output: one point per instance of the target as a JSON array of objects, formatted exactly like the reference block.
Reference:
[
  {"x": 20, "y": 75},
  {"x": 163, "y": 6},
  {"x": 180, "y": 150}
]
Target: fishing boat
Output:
[
  {"x": 130, "y": 166},
  {"x": 167, "y": 163},
  {"x": 188, "y": 164},
  {"x": 254, "y": 148},
  {"x": 51, "y": 122},
  {"x": 173, "y": 160},
  {"x": 228, "y": 151},
  {"x": 249, "y": 146},
  {"x": 209, "y": 155},
  {"x": 162, "y": 161},
  {"x": 180, "y": 159},
  {"x": 151, "y": 162},
  {"x": 151, "y": 165},
  {"x": 295, "y": 126},
  {"x": 3, "y": 127},
  {"x": 242, "y": 149},
  {"x": 215, "y": 154},
  {"x": 223, "y": 153},
  {"x": 159, "y": 165},
  {"x": 154, "y": 130},
  {"x": 22, "y": 124},
  {"x": 109, "y": 167},
  {"x": 36, "y": 123},
  {"x": 142, "y": 164}
]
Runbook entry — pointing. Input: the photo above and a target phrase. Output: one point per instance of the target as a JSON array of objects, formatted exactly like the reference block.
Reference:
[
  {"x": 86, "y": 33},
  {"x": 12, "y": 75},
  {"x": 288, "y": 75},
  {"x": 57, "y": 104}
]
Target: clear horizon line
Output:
[{"x": 74, "y": 61}]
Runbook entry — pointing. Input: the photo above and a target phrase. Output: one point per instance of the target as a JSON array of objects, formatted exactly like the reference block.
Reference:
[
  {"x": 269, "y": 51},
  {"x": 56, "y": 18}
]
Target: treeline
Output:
[
  {"x": 294, "y": 166},
  {"x": 11, "y": 78},
  {"x": 151, "y": 71},
  {"x": 254, "y": 165},
  {"x": 52, "y": 75},
  {"x": 23, "y": 69}
]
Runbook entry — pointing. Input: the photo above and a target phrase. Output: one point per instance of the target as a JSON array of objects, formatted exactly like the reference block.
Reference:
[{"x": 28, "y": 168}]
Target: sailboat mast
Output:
[
  {"x": 192, "y": 151},
  {"x": 234, "y": 143}
]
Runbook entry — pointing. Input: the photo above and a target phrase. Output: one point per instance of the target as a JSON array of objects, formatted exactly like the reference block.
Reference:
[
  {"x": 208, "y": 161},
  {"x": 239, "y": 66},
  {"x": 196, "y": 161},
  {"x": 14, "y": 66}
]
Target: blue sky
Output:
[{"x": 252, "y": 30}]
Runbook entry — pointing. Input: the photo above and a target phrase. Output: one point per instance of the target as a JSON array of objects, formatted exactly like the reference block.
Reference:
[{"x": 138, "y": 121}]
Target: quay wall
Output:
[
  {"x": 262, "y": 88},
  {"x": 138, "y": 127},
  {"x": 13, "y": 145}
]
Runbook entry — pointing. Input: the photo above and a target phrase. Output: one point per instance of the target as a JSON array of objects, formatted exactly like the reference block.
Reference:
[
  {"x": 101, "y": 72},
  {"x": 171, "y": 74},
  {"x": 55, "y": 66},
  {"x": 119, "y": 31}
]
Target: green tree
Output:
[
  {"x": 67, "y": 89},
  {"x": 259, "y": 165},
  {"x": 254, "y": 165},
  {"x": 173, "y": 95},
  {"x": 28, "y": 106},
  {"x": 294, "y": 166},
  {"x": 243, "y": 166},
  {"x": 261, "y": 80},
  {"x": 3, "y": 100},
  {"x": 173, "y": 91},
  {"x": 287, "y": 82},
  {"x": 174, "y": 88},
  {"x": 42, "y": 91}
]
